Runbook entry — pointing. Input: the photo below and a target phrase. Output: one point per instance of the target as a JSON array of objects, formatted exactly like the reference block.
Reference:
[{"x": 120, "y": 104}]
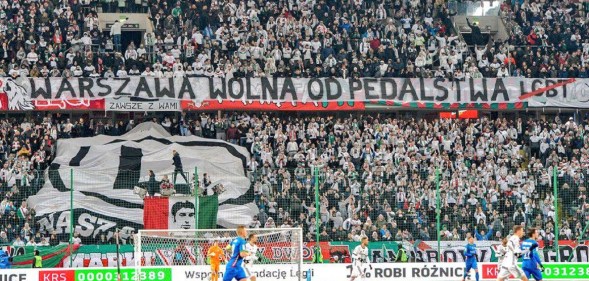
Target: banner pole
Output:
[
  {"x": 71, "y": 216},
  {"x": 438, "y": 211},
  {"x": 317, "y": 209},
  {"x": 196, "y": 198},
  {"x": 196, "y": 212},
  {"x": 555, "y": 191},
  {"x": 118, "y": 256},
  {"x": 582, "y": 233}
]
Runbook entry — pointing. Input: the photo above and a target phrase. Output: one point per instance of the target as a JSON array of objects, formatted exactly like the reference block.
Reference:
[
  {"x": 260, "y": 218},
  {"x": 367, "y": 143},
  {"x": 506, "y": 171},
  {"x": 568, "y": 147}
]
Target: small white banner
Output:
[{"x": 130, "y": 104}]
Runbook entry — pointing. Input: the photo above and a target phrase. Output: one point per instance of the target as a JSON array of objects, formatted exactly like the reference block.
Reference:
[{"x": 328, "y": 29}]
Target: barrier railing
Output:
[{"x": 426, "y": 210}]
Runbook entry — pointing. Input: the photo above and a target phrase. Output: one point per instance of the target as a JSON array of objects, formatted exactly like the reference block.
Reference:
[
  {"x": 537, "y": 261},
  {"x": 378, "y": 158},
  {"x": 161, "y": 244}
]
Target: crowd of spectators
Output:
[
  {"x": 547, "y": 38},
  {"x": 377, "y": 175},
  {"x": 26, "y": 149},
  {"x": 319, "y": 38}
]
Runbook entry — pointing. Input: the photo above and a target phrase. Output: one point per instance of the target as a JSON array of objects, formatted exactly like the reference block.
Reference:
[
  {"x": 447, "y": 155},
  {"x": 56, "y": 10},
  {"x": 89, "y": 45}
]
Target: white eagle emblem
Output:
[{"x": 17, "y": 96}]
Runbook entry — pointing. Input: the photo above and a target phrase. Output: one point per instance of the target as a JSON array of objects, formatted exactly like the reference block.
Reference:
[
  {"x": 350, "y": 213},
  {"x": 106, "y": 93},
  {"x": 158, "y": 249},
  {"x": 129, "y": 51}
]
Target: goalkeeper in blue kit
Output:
[
  {"x": 532, "y": 265},
  {"x": 471, "y": 259}
]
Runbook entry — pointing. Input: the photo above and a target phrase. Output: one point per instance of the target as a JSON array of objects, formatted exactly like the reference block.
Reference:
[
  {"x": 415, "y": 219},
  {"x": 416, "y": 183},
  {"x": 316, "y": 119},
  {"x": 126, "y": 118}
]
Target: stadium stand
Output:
[
  {"x": 552, "y": 32},
  {"x": 234, "y": 39},
  {"x": 329, "y": 39},
  {"x": 378, "y": 173}
]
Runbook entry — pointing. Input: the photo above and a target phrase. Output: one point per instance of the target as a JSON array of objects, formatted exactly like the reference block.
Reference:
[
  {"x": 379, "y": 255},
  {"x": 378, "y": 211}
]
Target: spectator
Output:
[
  {"x": 77, "y": 240},
  {"x": 53, "y": 241},
  {"x": 115, "y": 31},
  {"x": 165, "y": 184},
  {"x": 477, "y": 37},
  {"x": 18, "y": 242},
  {"x": 152, "y": 184}
]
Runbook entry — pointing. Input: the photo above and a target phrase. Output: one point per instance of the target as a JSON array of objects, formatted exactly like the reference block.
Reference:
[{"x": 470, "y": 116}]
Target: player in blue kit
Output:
[
  {"x": 532, "y": 265},
  {"x": 471, "y": 259},
  {"x": 234, "y": 268}
]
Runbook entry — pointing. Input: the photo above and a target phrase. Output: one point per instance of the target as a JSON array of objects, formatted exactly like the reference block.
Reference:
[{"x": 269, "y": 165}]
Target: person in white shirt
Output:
[
  {"x": 78, "y": 72},
  {"x": 483, "y": 62},
  {"x": 147, "y": 73},
  {"x": 359, "y": 259},
  {"x": 168, "y": 42},
  {"x": 503, "y": 72},
  {"x": 134, "y": 71},
  {"x": 141, "y": 50},
  {"x": 500, "y": 56},
  {"x": 509, "y": 264},
  {"x": 501, "y": 253},
  {"x": 168, "y": 59},
  {"x": 179, "y": 71},
  {"x": 14, "y": 72},
  {"x": 495, "y": 64},
  {"x": 43, "y": 242},
  {"x": 86, "y": 41},
  {"x": 32, "y": 57},
  {"x": 248, "y": 261},
  {"x": 18, "y": 242},
  {"x": 480, "y": 52},
  {"x": 197, "y": 37},
  {"x": 131, "y": 53},
  {"x": 149, "y": 41},
  {"x": 77, "y": 239},
  {"x": 176, "y": 52},
  {"x": 115, "y": 32},
  {"x": 89, "y": 68},
  {"x": 122, "y": 73},
  {"x": 158, "y": 73},
  {"x": 168, "y": 73},
  {"x": 446, "y": 40}
]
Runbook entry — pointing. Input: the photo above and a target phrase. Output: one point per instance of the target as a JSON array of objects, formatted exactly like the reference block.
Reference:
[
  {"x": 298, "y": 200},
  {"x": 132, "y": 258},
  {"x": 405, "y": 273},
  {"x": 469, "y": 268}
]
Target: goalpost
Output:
[{"x": 280, "y": 250}]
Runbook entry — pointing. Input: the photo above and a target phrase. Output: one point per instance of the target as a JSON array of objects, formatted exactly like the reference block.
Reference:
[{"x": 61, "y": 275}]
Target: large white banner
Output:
[
  {"x": 535, "y": 92},
  {"x": 104, "y": 170}
]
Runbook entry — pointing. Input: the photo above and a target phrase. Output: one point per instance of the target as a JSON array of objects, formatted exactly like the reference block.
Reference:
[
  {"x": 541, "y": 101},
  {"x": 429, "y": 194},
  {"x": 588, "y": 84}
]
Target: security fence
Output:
[{"x": 428, "y": 209}]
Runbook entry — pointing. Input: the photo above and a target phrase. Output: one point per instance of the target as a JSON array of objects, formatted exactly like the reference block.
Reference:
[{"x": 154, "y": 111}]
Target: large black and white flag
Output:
[{"x": 106, "y": 169}]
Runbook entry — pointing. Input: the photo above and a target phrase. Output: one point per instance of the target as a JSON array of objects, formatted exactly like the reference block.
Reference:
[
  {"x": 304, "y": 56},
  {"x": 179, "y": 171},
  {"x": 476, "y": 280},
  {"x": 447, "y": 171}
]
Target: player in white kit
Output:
[
  {"x": 509, "y": 264},
  {"x": 248, "y": 261},
  {"x": 359, "y": 259},
  {"x": 501, "y": 252}
]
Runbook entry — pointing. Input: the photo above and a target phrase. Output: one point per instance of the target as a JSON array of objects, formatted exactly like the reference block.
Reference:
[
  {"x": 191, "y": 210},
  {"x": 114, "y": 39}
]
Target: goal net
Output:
[{"x": 279, "y": 254}]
